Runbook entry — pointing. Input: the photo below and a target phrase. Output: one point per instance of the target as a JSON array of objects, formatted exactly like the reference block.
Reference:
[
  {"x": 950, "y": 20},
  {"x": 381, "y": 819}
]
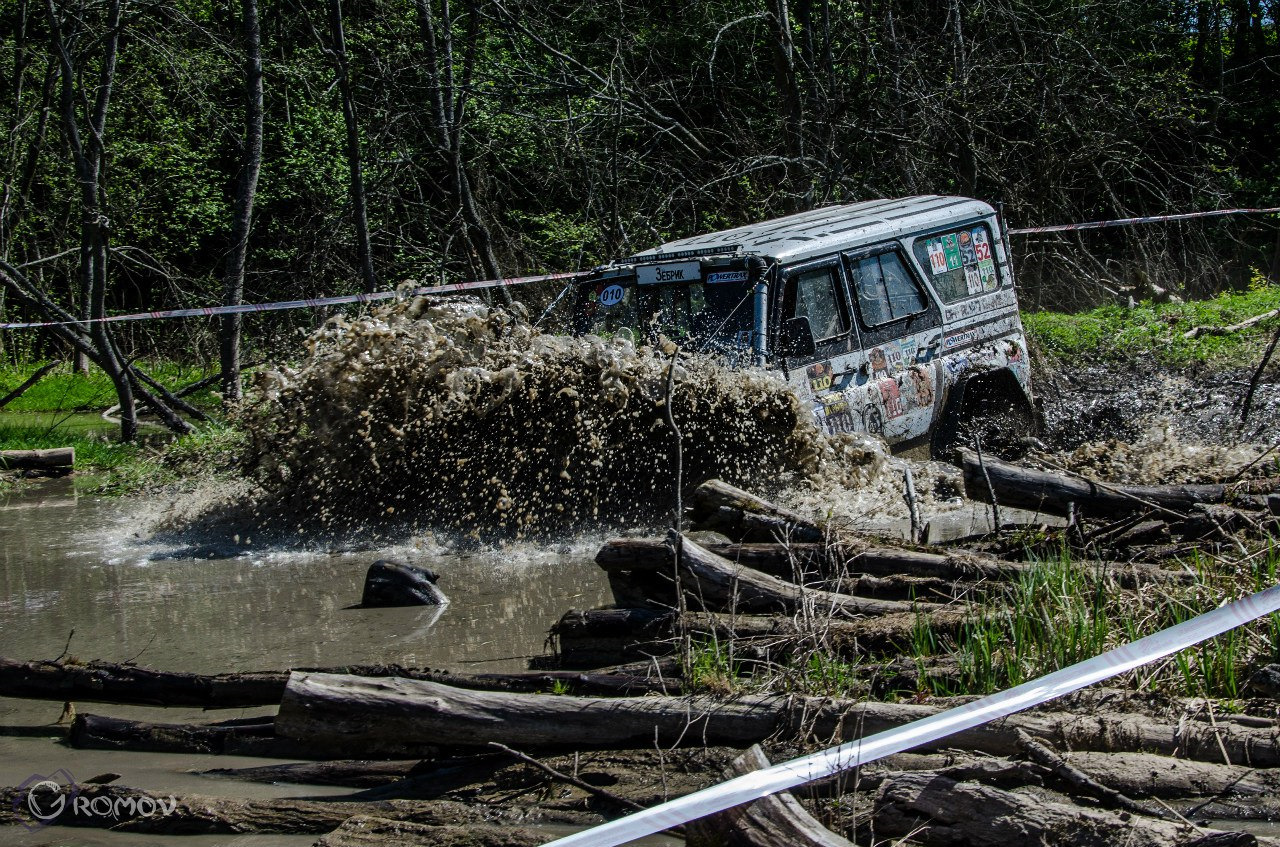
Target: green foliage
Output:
[{"x": 1158, "y": 331}]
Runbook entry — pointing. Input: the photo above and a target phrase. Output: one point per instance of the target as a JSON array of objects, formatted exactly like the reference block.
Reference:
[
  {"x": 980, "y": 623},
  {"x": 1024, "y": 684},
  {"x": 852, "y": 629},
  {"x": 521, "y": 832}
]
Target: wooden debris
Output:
[
  {"x": 744, "y": 516},
  {"x": 935, "y": 810},
  {"x": 106, "y": 682},
  {"x": 1054, "y": 492},
  {"x": 54, "y": 460},
  {"x": 774, "y": 821},
  {"x": 717, "y": 584},
  {"x": 331, "y": 710},
  {"x": 371, "y": 831}
]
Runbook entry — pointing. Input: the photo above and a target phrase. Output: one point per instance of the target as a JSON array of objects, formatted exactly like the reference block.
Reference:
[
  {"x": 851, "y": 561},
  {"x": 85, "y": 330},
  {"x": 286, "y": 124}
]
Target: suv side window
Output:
[
  {"x": 960, "y": 262},
  {"x": 817, "y": 297},
  {"x": 885, "y": 289}
]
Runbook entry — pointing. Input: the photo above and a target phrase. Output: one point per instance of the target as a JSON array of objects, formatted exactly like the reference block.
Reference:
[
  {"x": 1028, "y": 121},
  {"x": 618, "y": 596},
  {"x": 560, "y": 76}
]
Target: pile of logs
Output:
[{"x": 468, "y": 759}]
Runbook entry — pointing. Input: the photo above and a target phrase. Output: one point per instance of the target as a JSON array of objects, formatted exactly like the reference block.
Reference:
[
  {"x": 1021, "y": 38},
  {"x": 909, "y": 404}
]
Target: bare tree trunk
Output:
[
  {"x": 251, "y": 166},
  {"x": 359, "y": 208},
  {"x": 793, "y": 104},
  {"x": 94, "y": 223},
  {"x": 449, "y": 102}
]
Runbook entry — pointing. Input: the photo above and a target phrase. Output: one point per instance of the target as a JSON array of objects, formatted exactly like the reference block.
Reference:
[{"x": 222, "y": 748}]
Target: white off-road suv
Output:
[{"x": 893, "y": 317}]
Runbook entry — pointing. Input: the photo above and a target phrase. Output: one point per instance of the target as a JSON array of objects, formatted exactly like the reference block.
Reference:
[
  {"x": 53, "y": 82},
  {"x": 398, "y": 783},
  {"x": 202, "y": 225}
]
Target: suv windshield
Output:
[{"x": 699, "y": 316}]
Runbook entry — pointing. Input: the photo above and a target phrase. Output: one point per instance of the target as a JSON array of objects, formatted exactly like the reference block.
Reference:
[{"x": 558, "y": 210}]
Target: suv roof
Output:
[{"x": 822, "y": 231}]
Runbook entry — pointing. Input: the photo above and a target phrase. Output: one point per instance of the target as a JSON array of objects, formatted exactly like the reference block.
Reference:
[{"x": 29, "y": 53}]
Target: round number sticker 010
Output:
[{"x": 611, "y": 295}]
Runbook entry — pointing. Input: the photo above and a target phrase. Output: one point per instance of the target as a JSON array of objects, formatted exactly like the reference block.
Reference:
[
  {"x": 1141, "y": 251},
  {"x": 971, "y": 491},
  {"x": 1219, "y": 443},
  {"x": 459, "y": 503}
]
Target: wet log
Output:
[
  {"x": 1217, "y": 790},
  {"x": 241, "y": 737},
  {"x": 935, "y": 810},
  {"x": 774, "y": 821},
  {"x": 739, "y": 514},
  {"x": 1054, "y": 492},
  {"x": 55, "y": 460},
  {"x": 717, "y": 584},
  {"x": 370, "y": 831},
  {"x": 332, "y": 710},
  {"x": 854, "y": 564},
  {"x": 350, "y": 773},
  {"x": 607, "y": 636},
  {"x": 138, "y": 811},
  {"x": 105, "y": 682}
]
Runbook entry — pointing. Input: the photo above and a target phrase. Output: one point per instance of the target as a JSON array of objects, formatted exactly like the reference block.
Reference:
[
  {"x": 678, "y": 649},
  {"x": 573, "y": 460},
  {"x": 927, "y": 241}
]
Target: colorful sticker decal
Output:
[
  {"x": 878, "y": 362},
  {"x": 937, "y": 256},
  {"x": 973, "y": 279},
  {"x": 981, "y": 246},
  {"x": 952, "y": 250},
  {"x": 611, "y": 295},
  {"x": 726, "y": 276},
  {"x": 922, "y": 381},
  {"x": 820, "y": 376},
  {"x": 891, "y": 398},
  {"x": 968, "y": 256}
]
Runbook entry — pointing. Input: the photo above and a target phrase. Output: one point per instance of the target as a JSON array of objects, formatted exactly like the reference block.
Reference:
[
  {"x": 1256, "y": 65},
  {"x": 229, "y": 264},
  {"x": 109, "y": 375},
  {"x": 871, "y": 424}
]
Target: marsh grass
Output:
[
  {"x": 1062, "y": 612},
  {"x": 1157, "y": 331}
]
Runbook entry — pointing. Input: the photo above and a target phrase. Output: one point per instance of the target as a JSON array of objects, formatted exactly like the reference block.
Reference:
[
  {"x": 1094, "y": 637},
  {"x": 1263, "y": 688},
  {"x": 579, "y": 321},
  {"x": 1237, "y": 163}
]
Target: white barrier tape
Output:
[
  {"x": 753, "y": 786},
  {"x": 1144, "y": 220},
  {"x": 249, "y": 308}
]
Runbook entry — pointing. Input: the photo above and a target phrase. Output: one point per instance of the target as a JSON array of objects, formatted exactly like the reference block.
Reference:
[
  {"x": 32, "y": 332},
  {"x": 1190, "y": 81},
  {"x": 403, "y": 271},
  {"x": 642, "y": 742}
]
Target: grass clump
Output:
[{"x": 1158, "y": 331}]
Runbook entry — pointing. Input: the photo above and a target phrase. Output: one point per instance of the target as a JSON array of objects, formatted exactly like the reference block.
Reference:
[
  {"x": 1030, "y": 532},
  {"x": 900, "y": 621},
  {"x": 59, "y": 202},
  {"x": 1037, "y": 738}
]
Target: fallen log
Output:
[
  {"x": 739, "y": 514},
  {"x": 774, "y": 821},
  {"x": 343, "y": 711},
  {"x": 1055, "y": 492},
  {"x": 106, "y": 682},
  {"x": 608, "y": 636},
  {"x": 241, "y": 737},
  {"x": 350, "y": 773},
  {"x": 935, "y": 810},
  {"x": 1218, "y": 790},
  {"x": 854, "y": 563},
  {"x": 132, "y": 810},
  {"x": 54, "y": 460},
  {"x": 717, "y": 584},
  {"x": 370, "y": 831}
]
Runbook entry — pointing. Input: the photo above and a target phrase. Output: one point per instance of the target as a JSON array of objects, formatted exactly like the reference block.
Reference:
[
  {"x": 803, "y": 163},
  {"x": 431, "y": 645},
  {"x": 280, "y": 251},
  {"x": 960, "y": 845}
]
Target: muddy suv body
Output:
[{"x": 893, "y": 317}]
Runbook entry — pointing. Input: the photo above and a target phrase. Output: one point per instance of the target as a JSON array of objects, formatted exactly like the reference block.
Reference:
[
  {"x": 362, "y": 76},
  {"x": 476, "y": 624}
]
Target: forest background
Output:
[{"x": 164, "y": 155}]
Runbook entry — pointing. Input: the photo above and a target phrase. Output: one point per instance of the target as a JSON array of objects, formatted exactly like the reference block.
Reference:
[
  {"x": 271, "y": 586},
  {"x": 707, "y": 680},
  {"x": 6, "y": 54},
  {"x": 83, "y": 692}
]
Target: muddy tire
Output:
[{"x": 991, "y": 415}]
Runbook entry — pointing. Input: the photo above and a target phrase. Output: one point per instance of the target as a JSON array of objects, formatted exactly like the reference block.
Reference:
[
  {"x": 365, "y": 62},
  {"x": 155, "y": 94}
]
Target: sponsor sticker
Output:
[
  {"x": 726, "y": 276},
  {"x": 676, "y": 272}
]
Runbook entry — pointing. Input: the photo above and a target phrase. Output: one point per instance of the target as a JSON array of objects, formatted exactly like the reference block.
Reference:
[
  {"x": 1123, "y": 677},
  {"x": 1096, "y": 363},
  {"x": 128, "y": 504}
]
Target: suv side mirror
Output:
[{"x": 796, "y": 338}]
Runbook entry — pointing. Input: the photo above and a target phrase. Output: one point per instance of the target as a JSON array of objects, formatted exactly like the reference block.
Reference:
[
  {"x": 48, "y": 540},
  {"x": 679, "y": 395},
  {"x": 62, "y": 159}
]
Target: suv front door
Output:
[{"x": 899, "y": 325}]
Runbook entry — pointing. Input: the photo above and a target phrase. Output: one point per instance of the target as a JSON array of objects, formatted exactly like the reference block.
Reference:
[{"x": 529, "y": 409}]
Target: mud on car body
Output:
[{"x": 893, "y": 317}]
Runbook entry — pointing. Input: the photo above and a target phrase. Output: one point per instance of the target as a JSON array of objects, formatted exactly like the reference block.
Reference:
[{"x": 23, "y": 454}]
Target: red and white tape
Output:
[
  {"x": 753, "y": 786},
  {"x": 282, "y": 305},
  {"x": 1216, "y": 213},
  {"x": 249, "y": 308}
]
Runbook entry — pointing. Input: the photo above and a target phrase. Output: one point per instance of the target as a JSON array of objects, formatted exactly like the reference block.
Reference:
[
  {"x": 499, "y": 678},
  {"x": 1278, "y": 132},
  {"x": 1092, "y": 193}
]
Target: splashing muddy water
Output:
[
  {"x": 429, "y": 413},
  {"x": 432, "y": 414}
]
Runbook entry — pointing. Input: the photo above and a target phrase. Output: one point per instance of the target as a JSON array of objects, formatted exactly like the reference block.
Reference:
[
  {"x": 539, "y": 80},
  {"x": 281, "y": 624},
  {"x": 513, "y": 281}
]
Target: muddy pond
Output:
[{"x": 77, "y": 562}]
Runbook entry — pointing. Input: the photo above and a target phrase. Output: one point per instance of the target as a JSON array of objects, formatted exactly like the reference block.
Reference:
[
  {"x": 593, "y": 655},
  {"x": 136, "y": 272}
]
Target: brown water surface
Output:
[{"x": 69, "y": 561}]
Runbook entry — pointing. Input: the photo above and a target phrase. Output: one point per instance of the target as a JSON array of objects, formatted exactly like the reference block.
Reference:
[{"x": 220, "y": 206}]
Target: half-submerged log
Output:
[
  {"x": 241, "y": 737},
  {"x": 719, "y": 585},
  {"x": 132, "y": 810},
  {"x": 106, "y": 682},
  {"x": 852, "y": 563},
  {"x": 54, "y": 460},
  {"x": 935, "y": 810},
  {"x": 371, "y": 831},
  {"x": 774, "y": 821},
  {"x": 343, "y": 711},
  {"x": 1054, "y": 492}
]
